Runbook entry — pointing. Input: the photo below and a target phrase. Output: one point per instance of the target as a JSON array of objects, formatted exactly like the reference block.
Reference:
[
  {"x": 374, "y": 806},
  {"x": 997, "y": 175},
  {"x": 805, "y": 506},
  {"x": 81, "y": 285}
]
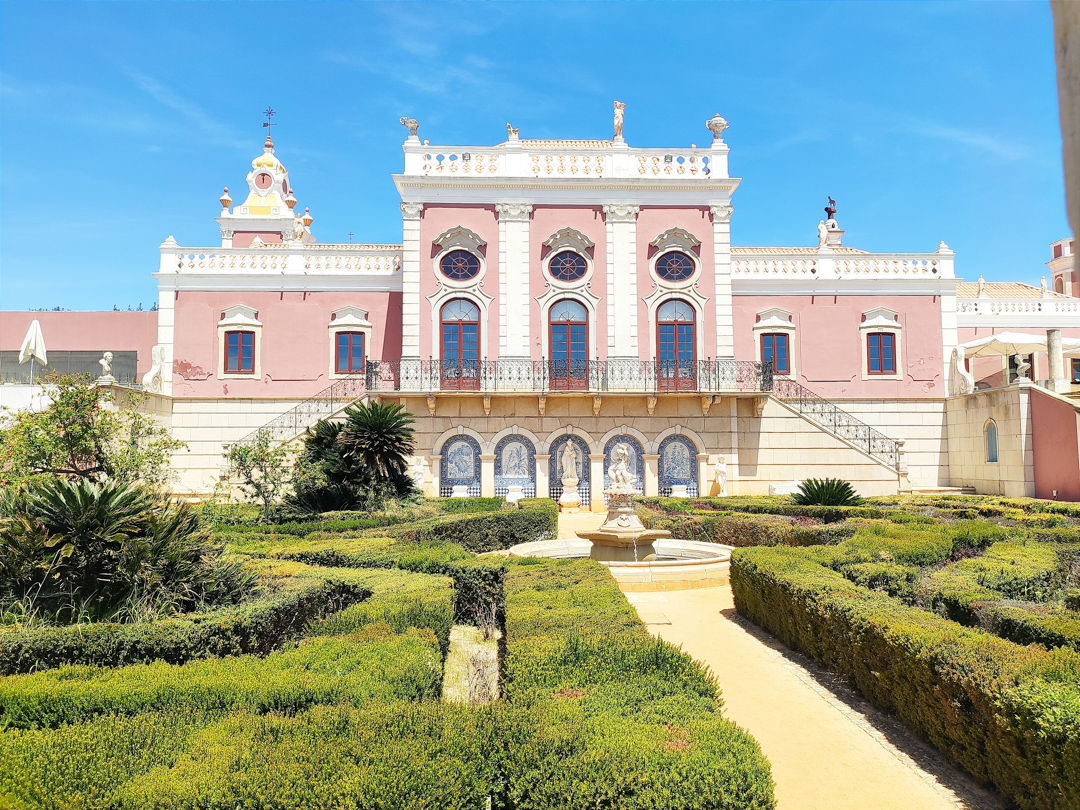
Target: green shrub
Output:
[
  {"x": 1072, "y": 599},
  {"x": 109, "y": 552},
  {"x": 762, "y": 505},
  {"x": 1032, "y": 624},
  {"x": 293, "y": 596},
  {"x": 1006, "y": 570},
  {"x": 534, "y": 519},
  {"x": 1008, "y": 714},
  {"x": 896, "y": 580},
  {"x": 373, "y": 665},
  {"x": 826, "y": 492},
  {"x": 882, "y": 541},
  {"x": 621, "y": 719}
]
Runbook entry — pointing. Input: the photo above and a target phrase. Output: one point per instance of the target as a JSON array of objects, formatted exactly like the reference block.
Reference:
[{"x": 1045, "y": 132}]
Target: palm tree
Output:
[{"x": 379, "y": 437}]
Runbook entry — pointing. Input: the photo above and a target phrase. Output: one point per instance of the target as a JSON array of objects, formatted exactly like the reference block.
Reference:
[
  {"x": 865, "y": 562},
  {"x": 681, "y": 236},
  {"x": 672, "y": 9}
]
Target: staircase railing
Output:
[
  {"x": 837, "y": 421},
  {"x": 311, "y": 410}
]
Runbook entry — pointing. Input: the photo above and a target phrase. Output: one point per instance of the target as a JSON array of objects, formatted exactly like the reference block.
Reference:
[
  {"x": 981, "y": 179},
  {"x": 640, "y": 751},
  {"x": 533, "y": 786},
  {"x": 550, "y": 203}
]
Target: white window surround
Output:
[
  {"x": 690, "y": 296},
  {"x": 443, "y": 296},
  {"x": 881, "y": 319},
  {"x": 239, "y": 318},
  {"x": 776, "y": 321},
  {"x": 568, "y": 239},
  {"x": 675, "y": 245},
  {"x": 347, "y": 319},
  {"x": 583, "y": 296},
  {"x": 459, "y": 238}
]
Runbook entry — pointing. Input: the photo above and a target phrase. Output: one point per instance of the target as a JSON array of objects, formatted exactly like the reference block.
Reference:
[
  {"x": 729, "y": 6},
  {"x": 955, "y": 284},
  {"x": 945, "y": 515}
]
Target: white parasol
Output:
[
  {"x": 1070, "y": 347},
  {"x": 33, "y": 347},
  {"x": 1005, "y": 343}
]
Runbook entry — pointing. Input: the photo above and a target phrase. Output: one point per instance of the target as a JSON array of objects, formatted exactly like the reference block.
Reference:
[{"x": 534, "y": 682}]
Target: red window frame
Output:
[
  {"x": 354, "y": 360},
  {"x": 242, "y": 339},
  {"x": 775, "y": 337},
  {"x": 676, "y": 371},
  {"x": 459, "y": 373},
  {"x": 569, "y": 373},
  {"x": 881, "y": 346}
]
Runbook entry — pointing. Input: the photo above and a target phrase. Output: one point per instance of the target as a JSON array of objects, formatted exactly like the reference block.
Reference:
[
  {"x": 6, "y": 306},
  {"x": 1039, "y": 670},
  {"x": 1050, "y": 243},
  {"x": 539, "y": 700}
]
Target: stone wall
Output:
[{"x": 1013, "y": 474}]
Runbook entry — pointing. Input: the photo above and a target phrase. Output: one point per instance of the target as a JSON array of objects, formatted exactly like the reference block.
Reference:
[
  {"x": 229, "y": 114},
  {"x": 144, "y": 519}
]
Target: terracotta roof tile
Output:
[{"x": 1003, "y": 289}]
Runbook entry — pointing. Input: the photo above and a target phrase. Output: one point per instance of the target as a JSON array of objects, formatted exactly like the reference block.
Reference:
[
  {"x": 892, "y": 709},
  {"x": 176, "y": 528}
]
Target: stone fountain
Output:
[{"x": 622, "y": 537}]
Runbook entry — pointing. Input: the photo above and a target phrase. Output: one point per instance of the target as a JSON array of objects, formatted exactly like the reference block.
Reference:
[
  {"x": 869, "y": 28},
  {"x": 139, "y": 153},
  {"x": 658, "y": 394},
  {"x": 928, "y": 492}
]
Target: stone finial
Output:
[
  {"x": 982, "y": 287},
  {"x": 225, "y": 199},
  {"x": 716, "y": 125},
  {"x": 411, "y": 124},
  {"x": 308, "y": 218},
  {"x": 943, "y": 248},
  {"x": 1043, "y": 289}
]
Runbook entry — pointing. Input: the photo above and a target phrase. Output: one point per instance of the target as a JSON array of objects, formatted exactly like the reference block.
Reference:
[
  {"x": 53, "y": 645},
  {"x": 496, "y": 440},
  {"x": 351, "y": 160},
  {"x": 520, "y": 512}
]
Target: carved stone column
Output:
[
  {"x": 436, "y": 474},
  {"x": 513, "y": 279},
  {"x": 410, "y": 279},
  {"x": 651, "y": 485},
  {"x": 622, "y": 298},
  {"x": 596, "y": 482},
  {"x": 725, "y": 322},
  {"x": 1058, "y": 382},
  {"x": 487, "y": 475}
]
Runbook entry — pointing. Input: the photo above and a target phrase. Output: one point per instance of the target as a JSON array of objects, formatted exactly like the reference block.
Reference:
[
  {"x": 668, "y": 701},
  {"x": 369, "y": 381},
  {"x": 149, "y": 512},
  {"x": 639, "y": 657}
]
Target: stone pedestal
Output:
[
  {"x": 622, "y": 528},
  {"x": 514, "y": 493},
  {"x": 460, "y": 491},
  {"x": 570, "y": 500},
  {"x": 679, "y": 491}
]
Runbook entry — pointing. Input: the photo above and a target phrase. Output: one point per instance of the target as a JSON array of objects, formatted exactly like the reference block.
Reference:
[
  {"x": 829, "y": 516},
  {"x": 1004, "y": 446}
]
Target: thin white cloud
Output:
[
  {"x": 998, "y": 146},
  {"x": 169, "y": 98}
]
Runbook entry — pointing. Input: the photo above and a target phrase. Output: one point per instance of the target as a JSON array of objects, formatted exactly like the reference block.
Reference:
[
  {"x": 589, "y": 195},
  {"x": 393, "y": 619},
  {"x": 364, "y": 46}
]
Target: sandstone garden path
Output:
[{"x": 829, "y": 749}]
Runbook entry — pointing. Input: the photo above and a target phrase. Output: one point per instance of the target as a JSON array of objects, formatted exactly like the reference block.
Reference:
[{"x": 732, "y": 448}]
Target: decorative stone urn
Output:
[
  {"x": 514, "y": 493},
  {"x": 460, "y": 491}
]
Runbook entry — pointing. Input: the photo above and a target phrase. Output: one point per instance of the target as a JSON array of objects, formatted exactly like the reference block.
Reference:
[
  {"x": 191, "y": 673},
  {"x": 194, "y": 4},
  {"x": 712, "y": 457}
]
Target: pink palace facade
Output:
[{"x": 550, "y": 291}]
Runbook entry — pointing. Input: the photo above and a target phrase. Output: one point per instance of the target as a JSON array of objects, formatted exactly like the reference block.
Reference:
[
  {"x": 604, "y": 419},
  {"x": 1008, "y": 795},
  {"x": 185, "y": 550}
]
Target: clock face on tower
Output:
[{"x": 263, "y": 181}]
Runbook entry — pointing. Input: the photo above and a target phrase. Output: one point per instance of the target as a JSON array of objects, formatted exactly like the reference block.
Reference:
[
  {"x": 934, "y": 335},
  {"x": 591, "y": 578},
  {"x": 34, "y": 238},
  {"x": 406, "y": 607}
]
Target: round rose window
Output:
[
  {"x": 459, "y": 265},
  {"x": 567, "y": 266},
  {"x": 675, "y": 266},
  {"x": 263, "y": 181}
]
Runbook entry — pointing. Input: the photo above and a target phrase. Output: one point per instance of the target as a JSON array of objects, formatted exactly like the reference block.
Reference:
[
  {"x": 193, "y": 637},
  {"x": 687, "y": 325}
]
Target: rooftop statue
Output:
[
  {"x": 822, "y": 234},
  {"x": 511, "y": 132},
  {"x": 411, "y": 123},
  {"x": 619, "y": 108}
]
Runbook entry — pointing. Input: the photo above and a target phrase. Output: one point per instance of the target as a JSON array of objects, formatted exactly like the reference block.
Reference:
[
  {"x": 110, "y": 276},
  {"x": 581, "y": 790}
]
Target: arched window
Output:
[
  {"x": 567, "y": 266},
  {"x": 1059, "y": 284},
  {"x": 675, "y": 352},
  {"x": 991, "y": 442},
  {"x": 569, "y": 324},
  {"x": 459, "y": 265},
  {"x": 675, "y": 266},
  {"x": 460, "y": 336}
]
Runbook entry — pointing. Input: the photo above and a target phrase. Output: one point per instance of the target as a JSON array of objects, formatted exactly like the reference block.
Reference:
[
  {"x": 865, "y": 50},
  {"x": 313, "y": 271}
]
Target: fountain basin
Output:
[{"x": 679, "y": 564}]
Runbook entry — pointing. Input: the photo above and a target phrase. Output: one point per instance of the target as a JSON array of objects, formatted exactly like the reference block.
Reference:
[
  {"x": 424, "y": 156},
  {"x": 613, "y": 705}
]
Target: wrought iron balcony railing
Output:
[
  {"x": 547, "y": 376},
  {"x": 838, "y": 422}
]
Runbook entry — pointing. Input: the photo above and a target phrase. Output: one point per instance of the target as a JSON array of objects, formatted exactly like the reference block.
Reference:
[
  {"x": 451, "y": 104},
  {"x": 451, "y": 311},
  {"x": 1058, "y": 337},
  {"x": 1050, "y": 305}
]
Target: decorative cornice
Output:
[
  {"x": 721, "y": 213},
  {"x": 513, "y": 212},
  {"x": 459, "y": 237},
  {"x": 411, "y": 210},
  {"x": 675, "y": 238},
  {"x": 568, "y": 238},
  {"x": 621, "y": 213}
]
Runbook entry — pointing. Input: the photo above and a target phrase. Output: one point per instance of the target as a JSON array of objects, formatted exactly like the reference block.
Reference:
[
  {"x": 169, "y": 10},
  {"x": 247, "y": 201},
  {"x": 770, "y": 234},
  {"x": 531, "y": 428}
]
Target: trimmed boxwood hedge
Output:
[
  {"x": 621, "y": 719},
  {"x": 295, "y": 595},
  {"x": 735, "y": 529},
  {"x": 1008, "y": 714}
]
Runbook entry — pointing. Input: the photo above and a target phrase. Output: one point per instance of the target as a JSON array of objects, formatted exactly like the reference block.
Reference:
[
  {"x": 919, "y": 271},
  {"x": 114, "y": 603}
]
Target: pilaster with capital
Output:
[
  {"x": 410, "y": 278},
  {"x": 487, "y": 475},
  {"x": 596, "y": 482},
  {"x": 513, "y": 279},
  {"x": 725, "y": 322},
  {"x": 621, "y": 222}
]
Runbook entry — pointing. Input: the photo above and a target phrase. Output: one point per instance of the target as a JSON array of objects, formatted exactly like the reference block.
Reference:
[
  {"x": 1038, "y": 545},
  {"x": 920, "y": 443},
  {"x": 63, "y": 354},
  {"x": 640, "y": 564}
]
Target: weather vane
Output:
[{"x": 269, "y": 114}]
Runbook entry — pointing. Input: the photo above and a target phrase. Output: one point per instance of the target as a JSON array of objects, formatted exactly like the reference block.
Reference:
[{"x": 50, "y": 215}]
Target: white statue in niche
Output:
[
  {"x": 720, "y": 475},
  {"x": 459, "y": 461},
  {"x": 620, "y": 476},
  {"x": 515, "y": 461},
  {"x": 568, "y": 463}
]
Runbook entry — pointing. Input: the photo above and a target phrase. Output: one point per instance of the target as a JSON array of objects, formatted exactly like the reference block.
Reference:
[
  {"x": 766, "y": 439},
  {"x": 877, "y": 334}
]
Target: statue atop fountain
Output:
[{"x": 623, "y": 528}]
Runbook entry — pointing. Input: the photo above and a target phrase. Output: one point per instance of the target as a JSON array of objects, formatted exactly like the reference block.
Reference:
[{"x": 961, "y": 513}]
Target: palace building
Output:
[{"x": 587, "y": 292}]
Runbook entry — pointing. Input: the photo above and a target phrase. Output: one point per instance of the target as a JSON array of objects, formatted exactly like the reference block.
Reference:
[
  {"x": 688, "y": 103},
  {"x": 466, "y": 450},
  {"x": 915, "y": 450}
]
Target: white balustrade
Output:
[
  {"x": 287, "y": 258},
  {"x": 887, "y": 265},
  {"x": 762, "y": 266}
]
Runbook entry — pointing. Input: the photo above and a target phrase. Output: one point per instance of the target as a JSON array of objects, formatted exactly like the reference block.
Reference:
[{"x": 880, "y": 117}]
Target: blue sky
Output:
[{"x": 121, "y": 122}]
